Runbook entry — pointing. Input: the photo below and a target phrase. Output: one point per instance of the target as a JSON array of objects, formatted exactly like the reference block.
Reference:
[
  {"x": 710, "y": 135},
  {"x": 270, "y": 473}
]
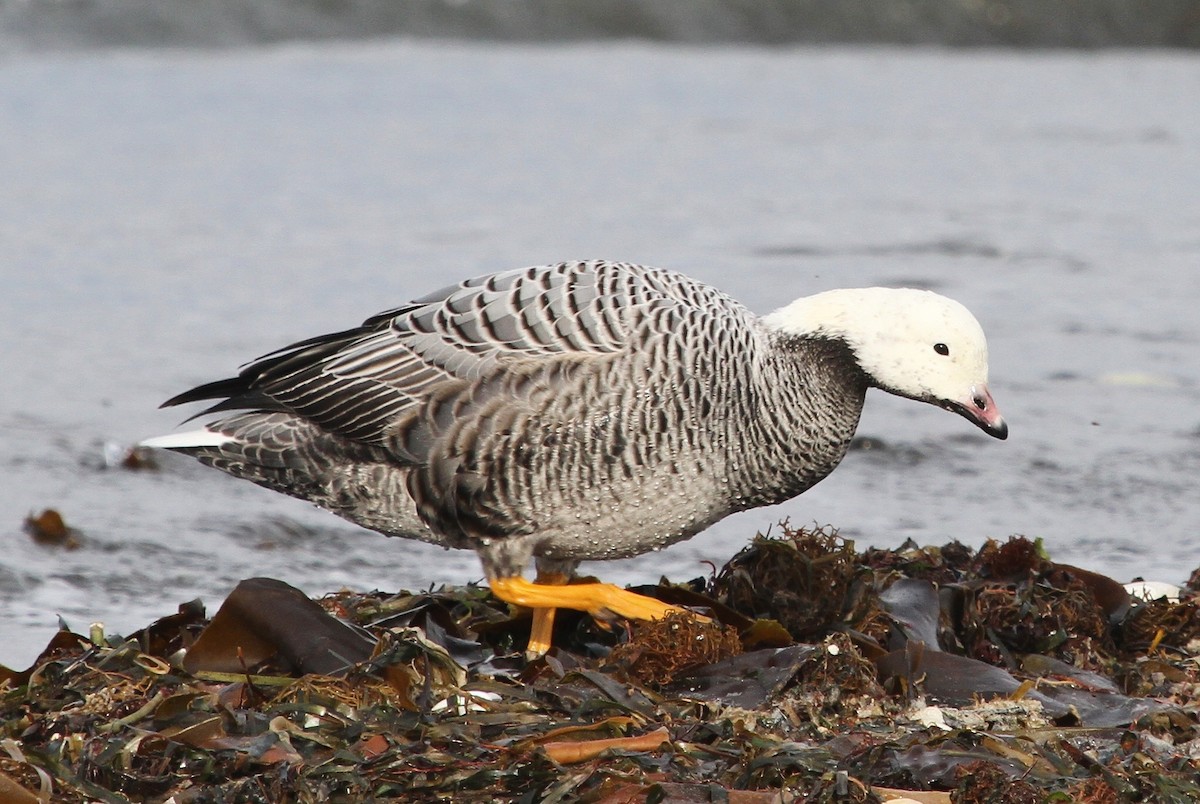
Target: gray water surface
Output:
[{"x": 168, "y": 215}]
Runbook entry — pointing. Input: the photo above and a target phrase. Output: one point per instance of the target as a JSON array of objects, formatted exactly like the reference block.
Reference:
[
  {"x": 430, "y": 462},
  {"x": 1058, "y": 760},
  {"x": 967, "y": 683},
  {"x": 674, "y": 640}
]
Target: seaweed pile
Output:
[{"x": 923, "y": 673}]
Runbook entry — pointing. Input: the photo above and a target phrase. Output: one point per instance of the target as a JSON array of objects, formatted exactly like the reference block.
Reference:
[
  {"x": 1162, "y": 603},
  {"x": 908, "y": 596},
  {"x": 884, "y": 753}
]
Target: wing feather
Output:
[{"x": 360, "y": 382}]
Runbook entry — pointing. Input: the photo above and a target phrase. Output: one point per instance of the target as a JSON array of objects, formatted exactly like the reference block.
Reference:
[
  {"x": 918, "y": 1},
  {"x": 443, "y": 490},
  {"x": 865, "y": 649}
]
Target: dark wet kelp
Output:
[
  {"x": 267, "y": 620},
  {"x": 943, "y": 674},
  {"x": 48, "y": 528}
]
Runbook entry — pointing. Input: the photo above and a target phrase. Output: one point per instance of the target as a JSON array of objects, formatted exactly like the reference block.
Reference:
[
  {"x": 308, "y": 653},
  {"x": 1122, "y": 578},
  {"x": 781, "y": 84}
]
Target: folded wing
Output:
[{"x": 360, "y": 383}]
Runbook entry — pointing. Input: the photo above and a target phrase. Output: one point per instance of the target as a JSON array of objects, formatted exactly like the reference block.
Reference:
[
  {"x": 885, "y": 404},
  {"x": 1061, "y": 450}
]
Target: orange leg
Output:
[
  {"x": 543, "y": 618},
  {"x": 601, "y": 600}
]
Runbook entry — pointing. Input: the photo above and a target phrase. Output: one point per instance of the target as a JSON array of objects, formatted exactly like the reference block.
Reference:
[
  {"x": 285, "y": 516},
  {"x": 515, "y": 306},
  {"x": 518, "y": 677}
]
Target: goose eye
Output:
[{"x": 941, "y": 348}]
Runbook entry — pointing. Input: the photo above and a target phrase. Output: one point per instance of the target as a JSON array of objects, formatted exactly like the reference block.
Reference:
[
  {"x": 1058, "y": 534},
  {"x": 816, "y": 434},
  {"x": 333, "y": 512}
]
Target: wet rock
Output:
[{"x": 50, "y": 529}]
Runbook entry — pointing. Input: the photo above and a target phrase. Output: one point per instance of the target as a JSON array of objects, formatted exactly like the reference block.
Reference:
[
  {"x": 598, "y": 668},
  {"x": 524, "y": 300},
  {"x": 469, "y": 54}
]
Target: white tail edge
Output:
[{"x": 189, "y": 440}]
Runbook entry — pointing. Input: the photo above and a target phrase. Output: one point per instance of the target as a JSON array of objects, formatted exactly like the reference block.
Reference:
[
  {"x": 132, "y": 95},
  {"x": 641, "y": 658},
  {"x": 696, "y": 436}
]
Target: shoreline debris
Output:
[
  {"x": 934, "y": 674},
  {"x": 50, "y": 529}
]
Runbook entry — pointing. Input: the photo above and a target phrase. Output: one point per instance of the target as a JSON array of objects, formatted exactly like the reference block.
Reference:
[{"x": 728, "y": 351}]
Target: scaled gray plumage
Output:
[{"x": 585, "y": 410}]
